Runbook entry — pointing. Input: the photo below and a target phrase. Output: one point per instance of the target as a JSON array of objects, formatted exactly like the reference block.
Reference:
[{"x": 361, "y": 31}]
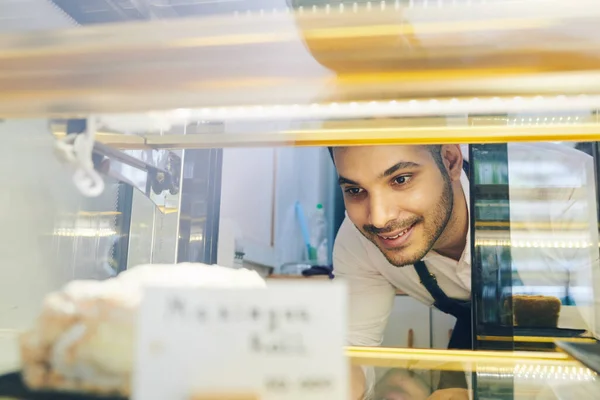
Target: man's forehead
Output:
[
  {"x": 361, "y": 164},
  {"x": 389, "y": 151}
]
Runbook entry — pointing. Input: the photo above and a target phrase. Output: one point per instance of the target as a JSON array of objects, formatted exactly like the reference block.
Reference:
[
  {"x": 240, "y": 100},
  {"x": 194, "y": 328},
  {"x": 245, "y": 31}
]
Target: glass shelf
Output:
[
  {"x": 415, "y": 373},
  {"x": 340, "y": 133}
]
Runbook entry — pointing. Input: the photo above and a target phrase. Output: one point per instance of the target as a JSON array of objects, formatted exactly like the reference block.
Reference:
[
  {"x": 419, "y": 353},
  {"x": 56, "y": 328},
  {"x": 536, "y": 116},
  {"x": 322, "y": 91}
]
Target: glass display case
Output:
[
  {"x": 415, "y": 374},
  {"x": 226, "y": 117},
  {"x": 525, "y": 246}
]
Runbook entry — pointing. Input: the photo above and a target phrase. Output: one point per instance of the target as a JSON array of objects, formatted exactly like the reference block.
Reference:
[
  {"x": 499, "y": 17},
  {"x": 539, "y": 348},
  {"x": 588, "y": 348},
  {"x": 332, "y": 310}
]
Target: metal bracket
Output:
[
  {"x": 158, "y": 178},
  {"x": 154, "y": 172}
]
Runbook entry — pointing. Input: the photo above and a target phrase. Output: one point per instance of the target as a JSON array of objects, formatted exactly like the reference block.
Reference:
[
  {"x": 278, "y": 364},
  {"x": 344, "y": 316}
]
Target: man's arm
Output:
[
  {"x": 371, "y": 298},
  {"x": 358, "y": 383}
]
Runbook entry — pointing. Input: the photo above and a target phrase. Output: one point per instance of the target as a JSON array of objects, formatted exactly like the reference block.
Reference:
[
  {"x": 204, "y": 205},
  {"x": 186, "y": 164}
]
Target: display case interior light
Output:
[
  {"x": 196, "y": 237},
  {"x": 349, "y": 7},
  {"x": 560, "y": 104},
  {"x": 415, "y": 121},
  {"x": 85, "y": 232},
  {"x": 539, "y": 372},
  {"x": 557, "y": 372},
  {"x": 360, "y": 6},
  {"x": 89, "y": 225},
  {"x": 535, "y": 244}
]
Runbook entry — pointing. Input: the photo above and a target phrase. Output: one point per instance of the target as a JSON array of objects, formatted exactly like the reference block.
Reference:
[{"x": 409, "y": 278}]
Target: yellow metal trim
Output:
[
  {"x": 453, "y": 360},
  {"x": 381, "y": 136},
  {"x": 534, "y": 339},
  {"x": 358, "y": 351},
  {"x": 311, "y": 27}
]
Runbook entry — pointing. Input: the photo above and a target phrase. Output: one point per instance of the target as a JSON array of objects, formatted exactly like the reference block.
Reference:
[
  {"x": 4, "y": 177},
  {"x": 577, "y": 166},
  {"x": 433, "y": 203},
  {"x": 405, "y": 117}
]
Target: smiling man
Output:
[
  {"x": 422, "y": 183},
  {"x": 407, "y": 228},
  {"x": 408, "y": 218}
]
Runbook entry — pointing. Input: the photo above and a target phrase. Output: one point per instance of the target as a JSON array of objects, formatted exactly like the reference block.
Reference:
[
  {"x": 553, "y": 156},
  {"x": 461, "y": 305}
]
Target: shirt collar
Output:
[{"x": 466, "y": 254}]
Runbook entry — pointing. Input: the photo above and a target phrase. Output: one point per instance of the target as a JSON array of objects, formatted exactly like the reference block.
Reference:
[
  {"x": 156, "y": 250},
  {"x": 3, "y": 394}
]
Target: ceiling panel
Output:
[
  {"x": 22, "y": 15},
  {"x": 102, "y": 11}
]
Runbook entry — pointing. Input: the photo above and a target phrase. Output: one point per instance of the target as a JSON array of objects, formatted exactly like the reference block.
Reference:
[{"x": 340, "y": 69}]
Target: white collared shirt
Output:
[{"x": 373, "y": 281}]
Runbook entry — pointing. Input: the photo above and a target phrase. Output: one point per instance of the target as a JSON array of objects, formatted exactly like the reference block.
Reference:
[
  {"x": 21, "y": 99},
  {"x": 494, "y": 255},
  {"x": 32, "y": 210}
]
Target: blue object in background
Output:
[{"x": 303, "y": 227}]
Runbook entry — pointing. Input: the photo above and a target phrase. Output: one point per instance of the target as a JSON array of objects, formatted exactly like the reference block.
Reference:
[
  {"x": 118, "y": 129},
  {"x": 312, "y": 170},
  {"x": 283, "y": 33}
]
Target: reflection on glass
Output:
[
  {"x": 536, "y": 243},
  {"x": 492, "y": 257},
  {"x": 519, "y": 379}
]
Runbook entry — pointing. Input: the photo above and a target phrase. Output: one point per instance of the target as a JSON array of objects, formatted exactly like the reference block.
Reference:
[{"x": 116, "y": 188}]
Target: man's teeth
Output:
[{"x": 397, "y": 236}]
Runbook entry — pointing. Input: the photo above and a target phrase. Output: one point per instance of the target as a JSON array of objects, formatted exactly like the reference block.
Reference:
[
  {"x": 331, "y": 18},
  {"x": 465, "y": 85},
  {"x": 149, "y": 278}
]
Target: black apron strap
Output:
[
  {"x": 462, "y": 336},
  {"x": 457, "y": 308},
  {"x": 461, "y": 309},
  {"x": 429, "y": 281}
]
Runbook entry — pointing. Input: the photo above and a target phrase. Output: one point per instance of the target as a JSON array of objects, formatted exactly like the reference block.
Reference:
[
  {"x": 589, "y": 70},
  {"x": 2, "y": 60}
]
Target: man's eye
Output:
[
  {"x": 353, "y": 191},
  {"x": 402, "y": 179}
]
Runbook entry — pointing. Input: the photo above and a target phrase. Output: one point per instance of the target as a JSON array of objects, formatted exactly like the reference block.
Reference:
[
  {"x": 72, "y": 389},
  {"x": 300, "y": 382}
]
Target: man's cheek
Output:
[
  {"x": 424, "y": 199},
  {"x": 423, "y": 205},
  {"x": 355, "y": 213}
]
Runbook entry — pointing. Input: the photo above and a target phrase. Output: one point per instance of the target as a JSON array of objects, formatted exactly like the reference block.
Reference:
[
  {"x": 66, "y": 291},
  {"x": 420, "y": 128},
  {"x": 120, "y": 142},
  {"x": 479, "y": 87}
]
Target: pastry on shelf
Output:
[
  {"x": 84, "y": 338},
  {"x": 534, "y": 311}
]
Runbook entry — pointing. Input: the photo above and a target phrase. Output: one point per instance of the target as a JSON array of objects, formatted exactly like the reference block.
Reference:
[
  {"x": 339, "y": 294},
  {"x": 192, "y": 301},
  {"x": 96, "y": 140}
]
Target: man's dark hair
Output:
[
  {"x": 436, "y": 153},
  {"x": 434, "y": 149}
]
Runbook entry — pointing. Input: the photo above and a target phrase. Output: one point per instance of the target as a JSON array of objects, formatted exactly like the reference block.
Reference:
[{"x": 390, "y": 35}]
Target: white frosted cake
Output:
[{"x": 84, "y": 337}]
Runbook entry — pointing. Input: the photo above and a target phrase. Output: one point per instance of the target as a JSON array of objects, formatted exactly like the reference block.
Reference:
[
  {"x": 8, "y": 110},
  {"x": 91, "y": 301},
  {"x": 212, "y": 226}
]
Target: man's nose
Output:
[{"x": 382, "y": 211}]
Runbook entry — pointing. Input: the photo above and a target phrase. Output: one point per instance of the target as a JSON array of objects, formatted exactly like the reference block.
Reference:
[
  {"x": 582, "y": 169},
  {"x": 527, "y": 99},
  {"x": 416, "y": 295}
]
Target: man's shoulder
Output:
[
  {"x": 351, "y": 247},
  {"x": 556, "y": 166},
  {"x": 349, "y": 237},
  {"x": 563, "y": 177},
  {"x": 548, "y": 151},
  {"x": 347, "y": 230}
]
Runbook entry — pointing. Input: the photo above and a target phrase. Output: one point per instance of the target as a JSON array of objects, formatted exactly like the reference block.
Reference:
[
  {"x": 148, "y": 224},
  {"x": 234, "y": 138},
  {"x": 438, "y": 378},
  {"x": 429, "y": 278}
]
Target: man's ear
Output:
[{"x": 453, "y": 160}]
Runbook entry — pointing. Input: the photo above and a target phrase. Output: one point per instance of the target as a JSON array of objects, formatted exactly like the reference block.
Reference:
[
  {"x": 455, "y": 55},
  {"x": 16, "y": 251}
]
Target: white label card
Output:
[{"x": 285, "y": 342}]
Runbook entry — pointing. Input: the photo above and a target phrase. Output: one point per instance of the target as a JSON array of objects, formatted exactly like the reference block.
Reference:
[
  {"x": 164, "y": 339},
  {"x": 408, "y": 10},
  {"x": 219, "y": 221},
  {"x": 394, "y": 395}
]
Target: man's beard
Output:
[{"x": 438, "y": 219}]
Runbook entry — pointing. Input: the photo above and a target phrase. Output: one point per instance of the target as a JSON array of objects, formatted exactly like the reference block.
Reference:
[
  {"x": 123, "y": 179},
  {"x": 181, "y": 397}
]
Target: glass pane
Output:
[
  {"x": 284, "y": 74},
  {"x": 536, "y": 243},
  {"x": 492, "y": 262},
  {"x": 415, "y": 374}
]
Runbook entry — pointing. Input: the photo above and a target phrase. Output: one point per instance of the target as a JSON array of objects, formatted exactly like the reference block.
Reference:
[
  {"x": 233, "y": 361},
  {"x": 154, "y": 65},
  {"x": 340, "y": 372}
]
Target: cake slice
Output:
[
  {"x": 84, "y": 337},
  {"x": 536, "y": 311}
]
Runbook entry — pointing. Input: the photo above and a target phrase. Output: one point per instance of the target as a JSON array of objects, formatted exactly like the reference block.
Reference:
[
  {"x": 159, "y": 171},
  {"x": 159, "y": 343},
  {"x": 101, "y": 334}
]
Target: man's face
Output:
[{"x": 397, "y": 197}]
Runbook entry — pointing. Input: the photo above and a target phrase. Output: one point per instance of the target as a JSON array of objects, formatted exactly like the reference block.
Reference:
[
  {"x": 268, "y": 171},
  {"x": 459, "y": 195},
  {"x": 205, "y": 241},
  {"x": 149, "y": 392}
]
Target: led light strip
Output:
[
  {"x": 400, "y": 108},
  {"x": 345, "y": 7},
  {"x": 368, "y": 6},
  {"x": 196, "y": 238},
  {"x": 84, "y": 232},
  {"x": 532, "y": 372},
  {"x": 535, "y": 244},
  {"x": 383, "y": 5},
  {"x": 544, "y": 120}
]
